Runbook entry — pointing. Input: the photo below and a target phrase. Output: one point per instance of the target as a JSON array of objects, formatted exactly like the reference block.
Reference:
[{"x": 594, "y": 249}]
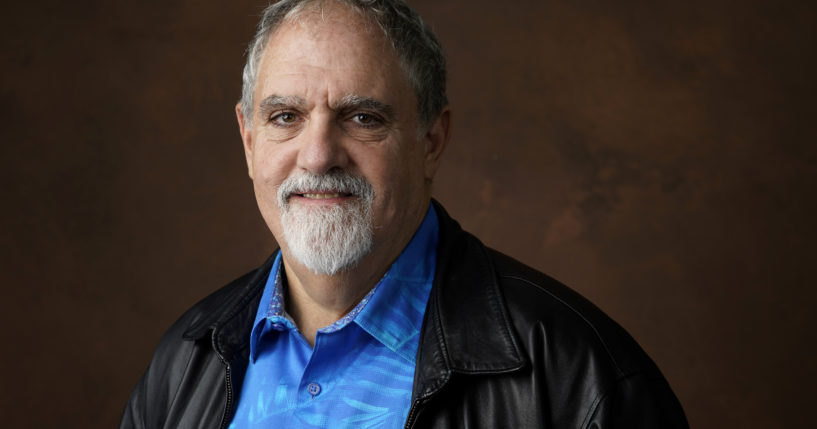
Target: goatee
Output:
[{"x": 327, "y": 238}]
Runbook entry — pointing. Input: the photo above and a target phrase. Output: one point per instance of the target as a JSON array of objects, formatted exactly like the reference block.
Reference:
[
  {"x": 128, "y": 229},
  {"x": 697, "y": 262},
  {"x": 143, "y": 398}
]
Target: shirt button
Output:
[{"x": 313, "y": 388}]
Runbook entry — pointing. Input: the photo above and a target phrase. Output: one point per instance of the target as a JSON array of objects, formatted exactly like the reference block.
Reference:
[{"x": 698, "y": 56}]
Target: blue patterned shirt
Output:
[{"x": 361, "y": 370}]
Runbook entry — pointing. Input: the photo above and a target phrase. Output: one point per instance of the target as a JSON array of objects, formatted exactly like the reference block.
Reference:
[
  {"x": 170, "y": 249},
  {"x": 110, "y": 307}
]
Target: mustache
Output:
[{"x": 334, "y": 181}]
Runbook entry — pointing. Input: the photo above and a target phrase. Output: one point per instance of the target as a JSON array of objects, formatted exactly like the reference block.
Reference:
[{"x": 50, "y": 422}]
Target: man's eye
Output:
[
  {"x": 284, "y": 118},
  {"x": 365, "y": 119}
]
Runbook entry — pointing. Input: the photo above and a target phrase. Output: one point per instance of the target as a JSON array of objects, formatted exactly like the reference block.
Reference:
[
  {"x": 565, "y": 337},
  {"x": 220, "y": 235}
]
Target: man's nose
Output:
[{"x": 322, "y": 147}]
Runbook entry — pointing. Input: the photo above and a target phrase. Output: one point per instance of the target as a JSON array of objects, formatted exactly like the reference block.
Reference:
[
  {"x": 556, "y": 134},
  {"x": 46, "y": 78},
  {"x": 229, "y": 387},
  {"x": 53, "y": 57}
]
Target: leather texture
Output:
[{"x": 502, "y": 345}]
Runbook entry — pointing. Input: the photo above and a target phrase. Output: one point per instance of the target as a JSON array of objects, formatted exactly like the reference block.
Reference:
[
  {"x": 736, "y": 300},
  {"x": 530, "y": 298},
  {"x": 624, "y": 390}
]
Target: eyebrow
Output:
[{"x": 275, "y": 102}]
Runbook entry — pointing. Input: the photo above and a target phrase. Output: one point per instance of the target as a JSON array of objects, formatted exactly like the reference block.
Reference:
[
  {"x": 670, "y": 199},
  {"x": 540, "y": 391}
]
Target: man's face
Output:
[{"x": 332, "y": 99}]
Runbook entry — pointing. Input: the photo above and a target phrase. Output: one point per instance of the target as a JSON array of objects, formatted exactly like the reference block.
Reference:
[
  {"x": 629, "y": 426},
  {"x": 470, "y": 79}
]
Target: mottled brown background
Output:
[{"x": 658, "y": 157}]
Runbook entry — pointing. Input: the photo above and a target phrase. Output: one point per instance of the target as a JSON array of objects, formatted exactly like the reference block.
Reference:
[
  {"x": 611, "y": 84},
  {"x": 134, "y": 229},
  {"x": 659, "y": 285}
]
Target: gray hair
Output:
[{"x": 420, "y": 53}]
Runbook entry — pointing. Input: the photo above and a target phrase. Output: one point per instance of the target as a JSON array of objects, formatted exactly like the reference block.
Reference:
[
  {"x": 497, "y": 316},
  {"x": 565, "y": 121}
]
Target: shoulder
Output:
[
  {"x": 541, "y": 311},
  {"x": 580, "y": 350},
  {"x": 222, "y": 304},
  {"x": 212, "y": 313},
  {"x": 185, "y": 355},
  {"x": 200, "y": 319},
  {"x": 538, "y": 301}
]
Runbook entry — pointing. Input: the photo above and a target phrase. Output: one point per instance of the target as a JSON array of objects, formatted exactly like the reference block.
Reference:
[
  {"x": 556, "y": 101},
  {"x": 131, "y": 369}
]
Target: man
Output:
[{"x": 378, "y": 310}]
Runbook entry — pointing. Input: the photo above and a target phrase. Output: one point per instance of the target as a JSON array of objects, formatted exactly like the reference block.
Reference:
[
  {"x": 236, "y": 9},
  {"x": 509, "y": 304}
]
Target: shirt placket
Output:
[{"x": 313, "y": 381}]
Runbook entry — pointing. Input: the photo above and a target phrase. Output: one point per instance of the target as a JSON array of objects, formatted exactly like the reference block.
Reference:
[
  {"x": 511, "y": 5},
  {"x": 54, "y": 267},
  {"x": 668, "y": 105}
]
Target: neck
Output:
[{"x": 315, "y": 300}]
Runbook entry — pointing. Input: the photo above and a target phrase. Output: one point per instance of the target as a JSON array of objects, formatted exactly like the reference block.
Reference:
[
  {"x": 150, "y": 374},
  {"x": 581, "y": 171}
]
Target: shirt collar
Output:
[
  {"x": 392, "y": 312},
  {"x": 394, "y": 315},
  {"x": 271, "y": 303}
]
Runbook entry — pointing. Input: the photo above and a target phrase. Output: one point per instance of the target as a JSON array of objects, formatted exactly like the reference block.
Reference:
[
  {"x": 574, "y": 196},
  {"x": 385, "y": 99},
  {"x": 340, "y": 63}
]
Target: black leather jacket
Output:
[{"x": 502, "y": 346}]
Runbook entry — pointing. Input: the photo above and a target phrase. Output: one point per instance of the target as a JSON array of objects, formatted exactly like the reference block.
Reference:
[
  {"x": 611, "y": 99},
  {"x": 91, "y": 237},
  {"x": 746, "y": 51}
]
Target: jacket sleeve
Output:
[
  {"x": 151, "y": 399},
  {"x": 638, "y": 401},
  {"x": 134, "y": 415}
]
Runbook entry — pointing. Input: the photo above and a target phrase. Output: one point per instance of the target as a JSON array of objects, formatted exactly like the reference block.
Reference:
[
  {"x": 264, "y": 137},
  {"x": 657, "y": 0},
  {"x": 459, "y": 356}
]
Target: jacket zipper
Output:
[
  {"x": 229, "y": 381},
  {"x": 415, "y": 408},
  {"x": 229, "y": 404}
]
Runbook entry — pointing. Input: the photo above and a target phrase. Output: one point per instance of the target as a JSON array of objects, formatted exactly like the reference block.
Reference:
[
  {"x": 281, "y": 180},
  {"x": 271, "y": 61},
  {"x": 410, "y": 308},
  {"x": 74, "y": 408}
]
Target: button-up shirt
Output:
[{"x": 360, "y": 372}]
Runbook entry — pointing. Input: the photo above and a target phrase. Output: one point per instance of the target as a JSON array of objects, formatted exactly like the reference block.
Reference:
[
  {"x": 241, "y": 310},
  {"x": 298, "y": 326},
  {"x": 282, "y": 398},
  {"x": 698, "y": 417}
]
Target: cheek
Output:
[
  {"x": 272, "y": 164},
  {"x": 400, "y": 178},
  {"x": 265, "y": 186},
  {"x": 411, "y": 168}
]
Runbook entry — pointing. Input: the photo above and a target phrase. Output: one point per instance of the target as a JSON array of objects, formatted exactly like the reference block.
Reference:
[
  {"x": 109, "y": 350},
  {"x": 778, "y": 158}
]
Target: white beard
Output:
[{"x": 327, "y": 240}]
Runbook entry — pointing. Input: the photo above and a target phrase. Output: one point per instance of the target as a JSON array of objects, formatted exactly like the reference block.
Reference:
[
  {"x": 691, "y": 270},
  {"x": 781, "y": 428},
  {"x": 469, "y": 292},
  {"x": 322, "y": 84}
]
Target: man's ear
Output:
[
  {"x": 245, "y": 128},
  {"x": 436, "y": 139}
]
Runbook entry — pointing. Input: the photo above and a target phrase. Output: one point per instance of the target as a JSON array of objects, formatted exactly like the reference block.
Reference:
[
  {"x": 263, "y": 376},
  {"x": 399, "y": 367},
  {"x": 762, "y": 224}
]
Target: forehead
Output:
[{"x": 333, "y": 47}]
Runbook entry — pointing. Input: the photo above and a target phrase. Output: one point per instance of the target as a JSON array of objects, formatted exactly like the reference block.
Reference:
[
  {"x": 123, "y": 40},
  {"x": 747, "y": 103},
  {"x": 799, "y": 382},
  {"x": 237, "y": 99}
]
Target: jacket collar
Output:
[
  {"x": 230, "y": 317},
  {"x": 466, "y": 328}
]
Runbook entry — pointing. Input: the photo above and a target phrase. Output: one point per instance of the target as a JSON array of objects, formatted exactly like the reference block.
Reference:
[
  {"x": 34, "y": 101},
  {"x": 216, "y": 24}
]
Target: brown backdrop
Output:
[{"x": 660, "y": 159}]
